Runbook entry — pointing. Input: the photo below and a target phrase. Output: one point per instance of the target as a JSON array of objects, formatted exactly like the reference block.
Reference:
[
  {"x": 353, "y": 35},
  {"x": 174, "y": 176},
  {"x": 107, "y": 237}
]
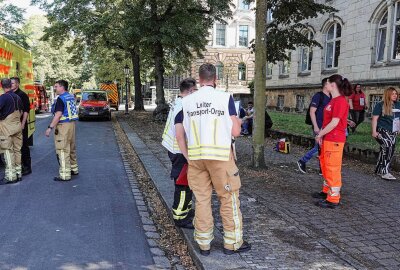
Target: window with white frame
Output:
[
  {"x": 388, "y": 35},
  {"x": 373, "y": 100},
  {"x": 381, "y": 42},
  {"x": 220, "y": 71},
  {"x": 270, "y": 17},
  {"x": 281, "y": 102},
  {"x": 220, "y": 34},
  {"x": 299, "y": 103},
  {"x": 396, "y": 32},
  {"x": 284, "y": 66},
  {"x": 332, "y": 46},
  {"x": 242, "y": 72},
  {"x": 269, "y": 69},
  {"x": 243, "y": 35},
  {"x": 244, "y": 5},
  {"x": 306, "y": 55}
]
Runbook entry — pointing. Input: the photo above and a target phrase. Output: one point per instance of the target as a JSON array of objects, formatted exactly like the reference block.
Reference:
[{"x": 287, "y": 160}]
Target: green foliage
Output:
[
  {"x": 11, "y": 20},
  {"x": 251, "y": 87},
  {"x": 294, "y": 123},
  {"x": 51, "y": 62},
  {"x": 180, "y": 26},
  {"x": 288, "y": 28}
]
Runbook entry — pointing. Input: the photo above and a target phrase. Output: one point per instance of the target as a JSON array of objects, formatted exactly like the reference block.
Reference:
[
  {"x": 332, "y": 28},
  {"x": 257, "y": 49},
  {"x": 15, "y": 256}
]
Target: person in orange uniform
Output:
[{"x": 332, "y": 138}]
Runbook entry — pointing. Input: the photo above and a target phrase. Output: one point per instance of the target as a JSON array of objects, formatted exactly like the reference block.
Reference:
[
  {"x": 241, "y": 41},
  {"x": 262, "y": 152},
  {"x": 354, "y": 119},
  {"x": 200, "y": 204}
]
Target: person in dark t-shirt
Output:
[
  {"x": 11, "y": 133},
  {"x": 318, "y": 103},
  {"x": 25, "y": 151}
]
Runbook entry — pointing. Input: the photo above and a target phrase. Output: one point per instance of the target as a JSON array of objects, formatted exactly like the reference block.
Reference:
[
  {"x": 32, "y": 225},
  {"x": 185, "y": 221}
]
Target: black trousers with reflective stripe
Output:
[
  {"x": 25, "y": 151},
  {"x": 182, "y": 204}
]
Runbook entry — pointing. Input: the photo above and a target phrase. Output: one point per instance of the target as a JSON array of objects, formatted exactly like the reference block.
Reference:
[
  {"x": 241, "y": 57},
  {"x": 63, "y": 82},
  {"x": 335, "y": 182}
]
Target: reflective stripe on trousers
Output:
[
  {"x": 182, "y": 203},
  {"x": 223, "y": 176},
  {"x": 331, "y": 165}
]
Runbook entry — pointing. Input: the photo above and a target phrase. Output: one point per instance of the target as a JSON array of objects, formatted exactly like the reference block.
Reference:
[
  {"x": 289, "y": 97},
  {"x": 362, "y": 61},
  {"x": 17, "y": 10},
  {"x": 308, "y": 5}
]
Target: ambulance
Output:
[{"x": 15, "y": 61}]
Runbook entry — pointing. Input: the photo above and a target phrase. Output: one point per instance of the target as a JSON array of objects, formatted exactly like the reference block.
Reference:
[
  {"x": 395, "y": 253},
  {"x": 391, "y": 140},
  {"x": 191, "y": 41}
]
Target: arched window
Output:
[
  {"x": 220, "y": 71},
  {"x": 381, "y": 42},
  {"x": 244, "y": 5},
  {"x": 332, "y": 46},
  {"x": 306, "y": 55},
  {"x": 284, "y": 66},
  {"x": 388, "y": 33},
  {"x": 269, "y": 69},
  {"x": 242, "y": 71},
  {"x": 396, "y": 32}
]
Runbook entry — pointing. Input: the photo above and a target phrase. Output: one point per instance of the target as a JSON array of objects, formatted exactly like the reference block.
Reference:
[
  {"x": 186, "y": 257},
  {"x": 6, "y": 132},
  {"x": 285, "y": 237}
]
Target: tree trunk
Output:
[
  {"x": 138, "y": 84},
  {"x": 161, "y": 111},
  {"x": 159, "y": 73},
  {"x": 260, "y": 85}
]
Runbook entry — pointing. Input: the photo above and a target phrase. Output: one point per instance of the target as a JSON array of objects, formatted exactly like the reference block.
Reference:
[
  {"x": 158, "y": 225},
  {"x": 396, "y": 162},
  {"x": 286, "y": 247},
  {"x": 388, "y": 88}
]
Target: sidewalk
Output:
[{"x": 287, "y": 231}]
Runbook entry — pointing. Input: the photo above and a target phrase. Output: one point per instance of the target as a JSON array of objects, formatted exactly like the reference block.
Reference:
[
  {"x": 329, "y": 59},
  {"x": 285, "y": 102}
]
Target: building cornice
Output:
[{"x": 381, "y": 82}]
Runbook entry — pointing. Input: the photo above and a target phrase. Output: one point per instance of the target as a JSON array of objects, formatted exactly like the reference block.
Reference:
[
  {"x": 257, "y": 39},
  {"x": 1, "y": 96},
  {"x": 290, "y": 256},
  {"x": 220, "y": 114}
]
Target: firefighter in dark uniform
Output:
[
  {"x": 10, "y": 133},
  {"x": 182, "y": 211},
  {"x": 63, "y": 123},
  {"x": 25, "y": 151}
]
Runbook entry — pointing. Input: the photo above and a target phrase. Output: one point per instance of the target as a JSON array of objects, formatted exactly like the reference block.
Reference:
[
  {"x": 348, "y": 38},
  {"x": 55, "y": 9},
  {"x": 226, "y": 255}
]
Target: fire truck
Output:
[
  {"x": 16, "y": 61},
  {"x": 41, "y": 99}
]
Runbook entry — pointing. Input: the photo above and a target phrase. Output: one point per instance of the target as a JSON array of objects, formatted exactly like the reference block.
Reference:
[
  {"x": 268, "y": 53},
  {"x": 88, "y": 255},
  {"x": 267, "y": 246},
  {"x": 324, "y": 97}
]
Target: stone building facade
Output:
[
  {"x": 361, "y": 41},
  {"x": 228, "y": 49}
]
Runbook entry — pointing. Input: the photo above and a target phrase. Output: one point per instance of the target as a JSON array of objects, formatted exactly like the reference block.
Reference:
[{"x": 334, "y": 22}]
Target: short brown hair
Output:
[
  {"x": 6, "y": 83},
  {"x": 207, "y": 72}
]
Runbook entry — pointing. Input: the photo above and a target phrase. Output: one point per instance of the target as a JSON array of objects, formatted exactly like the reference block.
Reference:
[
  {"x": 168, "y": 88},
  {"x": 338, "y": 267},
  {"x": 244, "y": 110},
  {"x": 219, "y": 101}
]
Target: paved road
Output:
[{"x": 89, "y": 223}]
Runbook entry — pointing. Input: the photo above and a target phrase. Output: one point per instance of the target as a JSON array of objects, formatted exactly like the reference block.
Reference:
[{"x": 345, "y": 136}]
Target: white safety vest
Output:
[
  {"x": 207, "y": 124},
  {"x": 169, "y": 136}
]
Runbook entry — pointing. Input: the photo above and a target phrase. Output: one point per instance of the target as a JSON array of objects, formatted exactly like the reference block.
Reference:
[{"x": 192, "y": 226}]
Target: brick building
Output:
[{"x": 361, "y": 41}]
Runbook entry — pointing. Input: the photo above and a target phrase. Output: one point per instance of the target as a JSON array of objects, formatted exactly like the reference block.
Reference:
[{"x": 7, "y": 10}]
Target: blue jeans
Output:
[{"x": 310, "y": 154}]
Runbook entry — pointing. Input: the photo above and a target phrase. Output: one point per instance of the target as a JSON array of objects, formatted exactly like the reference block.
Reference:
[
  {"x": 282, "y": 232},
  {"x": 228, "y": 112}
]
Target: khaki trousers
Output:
[
  {"x": 64, "y": 141},
  {"x": 10, "y": 144},
  {"x": 223, "y": 176}
]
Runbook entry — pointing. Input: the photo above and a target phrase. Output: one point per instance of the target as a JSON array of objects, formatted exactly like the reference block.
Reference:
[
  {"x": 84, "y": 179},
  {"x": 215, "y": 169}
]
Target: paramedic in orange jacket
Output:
[{"x": 332, "y": 138}]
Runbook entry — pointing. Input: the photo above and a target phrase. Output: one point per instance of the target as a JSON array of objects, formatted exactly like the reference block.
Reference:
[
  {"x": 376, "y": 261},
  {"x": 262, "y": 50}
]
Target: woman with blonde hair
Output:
[{"x": 385, "y": 127}]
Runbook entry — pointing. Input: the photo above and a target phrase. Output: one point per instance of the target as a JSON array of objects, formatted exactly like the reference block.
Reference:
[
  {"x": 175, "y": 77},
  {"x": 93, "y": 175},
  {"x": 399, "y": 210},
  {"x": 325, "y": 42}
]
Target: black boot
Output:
[
  {"x": 59, "y": 179},
  {"x": 243, "y": 248},
  {"x": 319, "y": 195},
  {"x": 26, "y": 170},
  {"x": 205, "y": 252},
  {"x": 326, "y": 204}
]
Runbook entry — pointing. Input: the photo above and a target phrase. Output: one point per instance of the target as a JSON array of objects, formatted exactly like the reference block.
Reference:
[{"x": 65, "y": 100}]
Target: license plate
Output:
[{"x": 93, "y": 113}]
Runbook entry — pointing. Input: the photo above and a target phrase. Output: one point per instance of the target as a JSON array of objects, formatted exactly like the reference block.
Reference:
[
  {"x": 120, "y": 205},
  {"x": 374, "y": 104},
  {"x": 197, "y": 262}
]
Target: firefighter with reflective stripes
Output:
[
  {"x": 11, "y": 133},
  {"x": 204, "y": 130},
  {"x": 25, "y": 151},
  {"x": 182, "y": 207},
  {"x": 65, "y": 115}
]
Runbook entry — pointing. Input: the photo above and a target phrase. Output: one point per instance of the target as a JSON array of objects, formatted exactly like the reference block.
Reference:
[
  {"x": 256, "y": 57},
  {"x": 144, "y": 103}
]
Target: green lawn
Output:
[{"x": 294, "y": 123}]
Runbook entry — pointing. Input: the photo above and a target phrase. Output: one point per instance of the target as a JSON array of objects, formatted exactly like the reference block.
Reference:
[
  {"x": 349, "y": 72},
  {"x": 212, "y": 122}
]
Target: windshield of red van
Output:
[{"x": 94, "y": 96}]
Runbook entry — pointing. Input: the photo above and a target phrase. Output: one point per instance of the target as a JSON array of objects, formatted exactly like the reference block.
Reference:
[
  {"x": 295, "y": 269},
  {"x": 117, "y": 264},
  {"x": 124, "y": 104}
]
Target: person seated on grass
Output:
[{"x": 247, "y": 126}]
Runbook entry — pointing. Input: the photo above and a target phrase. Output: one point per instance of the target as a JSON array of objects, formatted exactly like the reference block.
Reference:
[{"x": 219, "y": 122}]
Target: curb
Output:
[
  {"x": 161, "y": 261},
  {"x": 161, "y": 180}
]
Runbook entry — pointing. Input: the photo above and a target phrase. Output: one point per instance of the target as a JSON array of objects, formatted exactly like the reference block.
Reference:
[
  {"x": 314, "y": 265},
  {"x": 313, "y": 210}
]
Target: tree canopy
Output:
[
  {"x": 52, "y": 61},
  {"x": 11, "y": 20},
  {"x": 287, "y": 26},
  {"x": 165, "y": 33}
]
